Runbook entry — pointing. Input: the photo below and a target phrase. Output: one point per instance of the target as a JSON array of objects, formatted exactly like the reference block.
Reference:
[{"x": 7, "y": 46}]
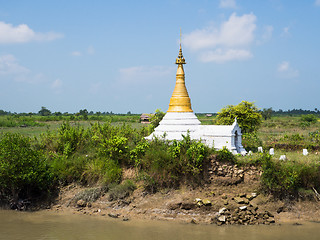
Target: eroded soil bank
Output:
[{"x": 229, "y": 196}]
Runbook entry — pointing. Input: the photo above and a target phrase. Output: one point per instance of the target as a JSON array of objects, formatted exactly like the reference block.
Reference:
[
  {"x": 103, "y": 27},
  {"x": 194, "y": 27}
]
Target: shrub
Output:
[
  {"x": 67, "y": 170},
  {"x": 310, "y": 118},
  {"x": 247, "y": 114},
  {"x": 251, "y": 141},
  {"x": 286, "y": 178},
  {"x": 70, "y": 138},
  {"x": 103, "y": 171},
  {"x": 224, "y": 155},
  {"x": 170, "y": 163},
  {"x": 121, "y": 191},
  {"x": 156, "y": 118},
  {"x": 23, "y": 170},
  {"x": 89, "y": 195}
]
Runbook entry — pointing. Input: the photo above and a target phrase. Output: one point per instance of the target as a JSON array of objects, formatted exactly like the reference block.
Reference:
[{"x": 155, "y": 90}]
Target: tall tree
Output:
[{"x": 247, "y": 114}]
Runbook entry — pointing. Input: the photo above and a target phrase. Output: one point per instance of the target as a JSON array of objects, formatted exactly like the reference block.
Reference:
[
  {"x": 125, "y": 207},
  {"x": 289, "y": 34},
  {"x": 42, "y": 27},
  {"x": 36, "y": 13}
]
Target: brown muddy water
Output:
[{"x": 47, "y": 225}]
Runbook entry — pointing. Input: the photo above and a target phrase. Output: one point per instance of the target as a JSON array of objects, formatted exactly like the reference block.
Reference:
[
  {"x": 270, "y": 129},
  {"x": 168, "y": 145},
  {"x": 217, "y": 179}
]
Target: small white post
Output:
[
  {"x": 305, "y": 152},
  {"x": 283, "y": 157},
  {"x": 271, "y": 151}
]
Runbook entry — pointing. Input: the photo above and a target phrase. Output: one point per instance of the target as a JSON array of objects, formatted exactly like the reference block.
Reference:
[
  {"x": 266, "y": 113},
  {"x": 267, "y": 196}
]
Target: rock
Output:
[
  {"x": 271, "y": 220},
  {"x": 239, "y": 200},
  {"x": 280, "y": 209},
  {"x": 249, "y": 197},
  {"x": 81, "y": 203},
  {"x": 243, "y": 208},
  {"x": 225, "y": 202},
  {"x": 297, "y": 224},
  {"x": 187, "y": 205},
  {"x": 125, "y": 219},
  {"x": 113, "y": 215},
  {"x": 206, "y": 202},
  {"x": 224, "y": 196},
  {"x": 269, "y": 214},
  {"x": 193, "y": 221},
  {"x": 222, "y": 219},
  {"x": 222, "y": 210},
  {"x": 200, "y": 204},
  {"x": 174, "y": 205}
]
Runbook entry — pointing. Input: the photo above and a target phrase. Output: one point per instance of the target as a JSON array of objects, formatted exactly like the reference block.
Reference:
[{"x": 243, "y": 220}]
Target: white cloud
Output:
[
  {"x": 237, "y": 31},
  {"x": 90, "y": 50},
  {"x": 317, "y": 2},
  {"x": 284, "y": 66},
  {"x": 12, "y": 70},
  {"x": 267, "y": 35},
  {"x": 228, "y": 4},
  {"x": 10, "y": 66},
  {"x": 56, "y": 84},
  {"x": 227, "y": 42},
  {"x": 285, "y": 32},
  {"x": 286, "y": 71},
  {"x": 221, "y": 56},
  {"x": 76, "y": 53},
  {"x": 144, "y": 74},
  {"x": 22, "y": 33}
]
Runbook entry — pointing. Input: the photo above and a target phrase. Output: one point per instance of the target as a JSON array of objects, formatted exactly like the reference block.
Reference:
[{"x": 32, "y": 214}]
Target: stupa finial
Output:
[
  {"x": 180, "y": 59},
  {"x": 180, "y": 101}
]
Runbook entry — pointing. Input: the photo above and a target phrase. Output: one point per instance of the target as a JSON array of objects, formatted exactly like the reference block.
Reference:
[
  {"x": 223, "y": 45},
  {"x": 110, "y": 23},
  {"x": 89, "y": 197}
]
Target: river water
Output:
[{"x": 47, "y": 225}]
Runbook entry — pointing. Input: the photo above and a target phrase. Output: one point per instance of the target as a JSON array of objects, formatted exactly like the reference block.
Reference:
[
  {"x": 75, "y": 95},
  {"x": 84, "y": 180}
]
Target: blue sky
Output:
[{"x": 119, "y": 55}]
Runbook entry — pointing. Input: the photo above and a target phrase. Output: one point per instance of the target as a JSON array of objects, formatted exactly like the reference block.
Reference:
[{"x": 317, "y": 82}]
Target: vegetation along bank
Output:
[{"x": 104, "y": 167}]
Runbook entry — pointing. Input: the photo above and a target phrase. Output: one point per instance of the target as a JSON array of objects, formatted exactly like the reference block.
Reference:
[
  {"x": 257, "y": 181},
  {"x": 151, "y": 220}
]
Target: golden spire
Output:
[{"x": 180, "y": 101}]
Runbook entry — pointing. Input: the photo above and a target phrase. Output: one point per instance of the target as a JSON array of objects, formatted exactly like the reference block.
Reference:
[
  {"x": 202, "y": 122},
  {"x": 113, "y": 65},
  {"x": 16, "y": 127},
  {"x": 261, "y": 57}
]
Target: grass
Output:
[
  {"x": 274, "y": 129},
  {"x": 54, "y": 125}
]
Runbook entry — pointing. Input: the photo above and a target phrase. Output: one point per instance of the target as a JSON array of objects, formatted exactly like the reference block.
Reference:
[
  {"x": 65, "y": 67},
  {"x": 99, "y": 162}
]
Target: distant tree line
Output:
[
  {"x": 46, "y": 112},
  {"x": 266, "y": 113}
]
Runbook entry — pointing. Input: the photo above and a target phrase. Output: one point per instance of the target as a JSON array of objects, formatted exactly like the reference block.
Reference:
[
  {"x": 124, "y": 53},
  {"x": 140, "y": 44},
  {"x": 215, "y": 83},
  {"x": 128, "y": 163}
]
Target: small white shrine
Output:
[{"x": 180, "y": 120}]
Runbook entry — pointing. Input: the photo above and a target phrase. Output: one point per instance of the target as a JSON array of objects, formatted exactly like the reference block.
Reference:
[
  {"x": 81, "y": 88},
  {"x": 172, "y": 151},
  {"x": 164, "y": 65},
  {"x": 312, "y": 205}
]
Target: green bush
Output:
[
  {"x": 89, "y": 195},
  {"x": 67, "y": 170},
  {"x": 247, "y": 114},
  {"x": 251, "y": 141},
  {"x": 224, "y": 155},
  {"x": 169, "y": 163},
  {"x": 70, "y": 138},
  {"x": 23, "y": 170},
  {"x": 285, "y": 178},
  {"x": 310, "y": 118},
  {"x": 122, "y": 190}
]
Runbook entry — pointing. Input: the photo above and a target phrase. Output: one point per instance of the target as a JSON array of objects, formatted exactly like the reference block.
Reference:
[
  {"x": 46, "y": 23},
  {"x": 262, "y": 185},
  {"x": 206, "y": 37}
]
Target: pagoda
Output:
[{"x": 180, "y": 120}]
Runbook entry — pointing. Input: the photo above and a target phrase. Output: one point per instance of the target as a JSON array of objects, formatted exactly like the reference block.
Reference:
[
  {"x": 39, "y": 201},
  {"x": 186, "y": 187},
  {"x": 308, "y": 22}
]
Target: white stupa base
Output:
[{"x": 175, "y": 125}]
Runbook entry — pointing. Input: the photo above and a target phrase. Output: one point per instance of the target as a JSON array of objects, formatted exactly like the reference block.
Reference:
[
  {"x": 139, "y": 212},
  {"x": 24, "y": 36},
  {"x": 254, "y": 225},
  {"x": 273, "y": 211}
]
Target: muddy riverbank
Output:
[{"x": 231, "y": 197}]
